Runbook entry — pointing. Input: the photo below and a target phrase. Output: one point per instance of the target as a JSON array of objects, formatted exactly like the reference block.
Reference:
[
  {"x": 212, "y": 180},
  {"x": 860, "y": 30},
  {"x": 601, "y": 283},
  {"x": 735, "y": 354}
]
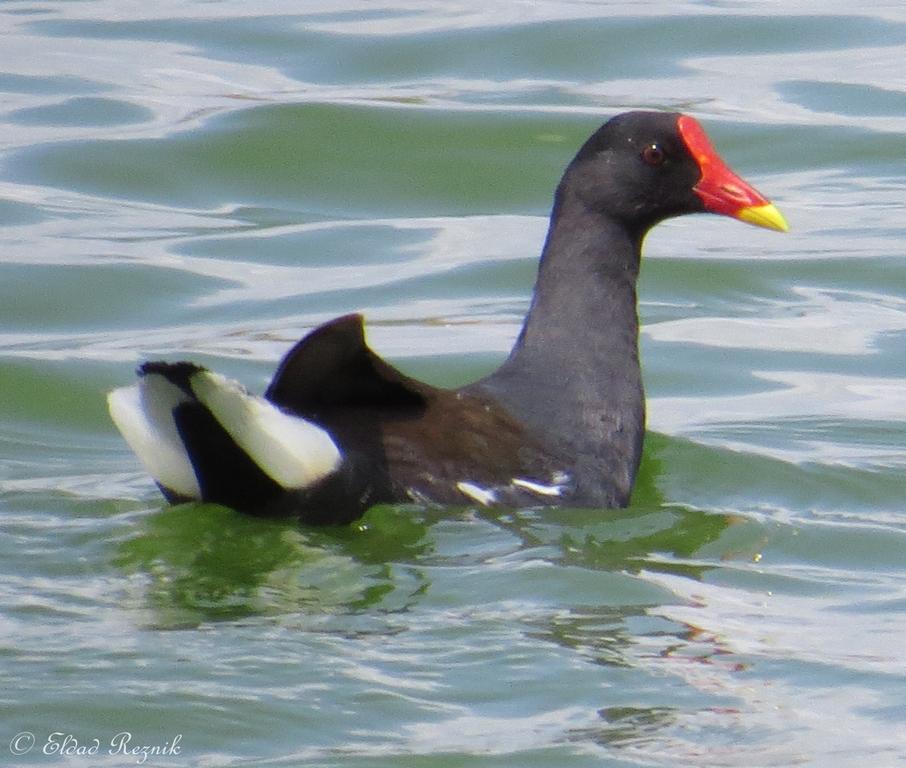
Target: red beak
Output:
[{"x": 721, "y": 190}]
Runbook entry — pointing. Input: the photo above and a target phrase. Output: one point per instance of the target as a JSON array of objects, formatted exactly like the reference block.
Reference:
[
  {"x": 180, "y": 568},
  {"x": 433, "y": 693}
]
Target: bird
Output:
[{"x": 560, "y": 422}]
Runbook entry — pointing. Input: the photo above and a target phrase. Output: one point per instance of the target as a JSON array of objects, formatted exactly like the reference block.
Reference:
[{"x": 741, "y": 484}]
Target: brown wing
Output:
[
  {"x": 333, "y": 367},
  {"x": 411, "y": 440},
  {"x": 468, "y": 442}
]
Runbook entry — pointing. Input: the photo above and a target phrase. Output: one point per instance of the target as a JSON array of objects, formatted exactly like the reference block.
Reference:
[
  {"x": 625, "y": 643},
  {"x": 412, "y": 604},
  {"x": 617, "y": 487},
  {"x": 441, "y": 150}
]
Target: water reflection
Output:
[
  {"x": 627, "y": 726},
  {"x": 652, "y": 534},
  {"x": 556, "y": 587},
  {"x": 202, "y": 562}
]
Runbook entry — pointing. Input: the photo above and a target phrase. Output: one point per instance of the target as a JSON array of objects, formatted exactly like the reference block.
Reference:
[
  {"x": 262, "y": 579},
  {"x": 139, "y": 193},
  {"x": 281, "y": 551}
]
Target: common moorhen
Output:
[{"x": 560, "y": 422}]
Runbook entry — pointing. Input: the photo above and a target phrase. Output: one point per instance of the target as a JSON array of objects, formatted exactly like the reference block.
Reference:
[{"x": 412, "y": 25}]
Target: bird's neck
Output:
[
  {"x": 583, "y": 309},
  {"x": 574, "y": 373}
]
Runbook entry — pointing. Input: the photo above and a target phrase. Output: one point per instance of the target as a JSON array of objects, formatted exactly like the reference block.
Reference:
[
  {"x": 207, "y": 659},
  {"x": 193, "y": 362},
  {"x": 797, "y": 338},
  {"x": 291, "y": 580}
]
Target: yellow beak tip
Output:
[{"x": 766, "y": 216}]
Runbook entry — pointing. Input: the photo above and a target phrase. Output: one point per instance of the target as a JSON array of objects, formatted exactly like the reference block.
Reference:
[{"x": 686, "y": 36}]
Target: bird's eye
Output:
[{"x": 653, "y": 155}]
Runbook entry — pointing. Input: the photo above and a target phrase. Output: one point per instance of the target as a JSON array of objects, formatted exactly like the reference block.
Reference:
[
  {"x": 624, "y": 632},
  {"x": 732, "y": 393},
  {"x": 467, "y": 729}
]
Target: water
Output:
[{"x": 210, "y": 180}]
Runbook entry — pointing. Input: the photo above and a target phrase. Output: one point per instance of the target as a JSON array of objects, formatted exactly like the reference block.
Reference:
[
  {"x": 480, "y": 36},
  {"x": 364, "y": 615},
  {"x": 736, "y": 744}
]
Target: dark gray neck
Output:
[{"x": 573, "y": 375}]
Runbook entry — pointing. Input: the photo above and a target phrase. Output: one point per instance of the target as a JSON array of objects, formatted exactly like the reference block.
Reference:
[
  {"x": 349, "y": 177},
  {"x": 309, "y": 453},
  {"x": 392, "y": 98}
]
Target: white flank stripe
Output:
[
  {"x": 476, "y": 493},
  {"x": 144, "y": 415},
  {"x": 541, "y": 490},
  {"x": 292, "y": 451}
]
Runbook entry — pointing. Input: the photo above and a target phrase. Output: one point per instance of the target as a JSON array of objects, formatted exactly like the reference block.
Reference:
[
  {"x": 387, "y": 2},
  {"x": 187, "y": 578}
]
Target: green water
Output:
[{"x": 211, "y": 180}]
